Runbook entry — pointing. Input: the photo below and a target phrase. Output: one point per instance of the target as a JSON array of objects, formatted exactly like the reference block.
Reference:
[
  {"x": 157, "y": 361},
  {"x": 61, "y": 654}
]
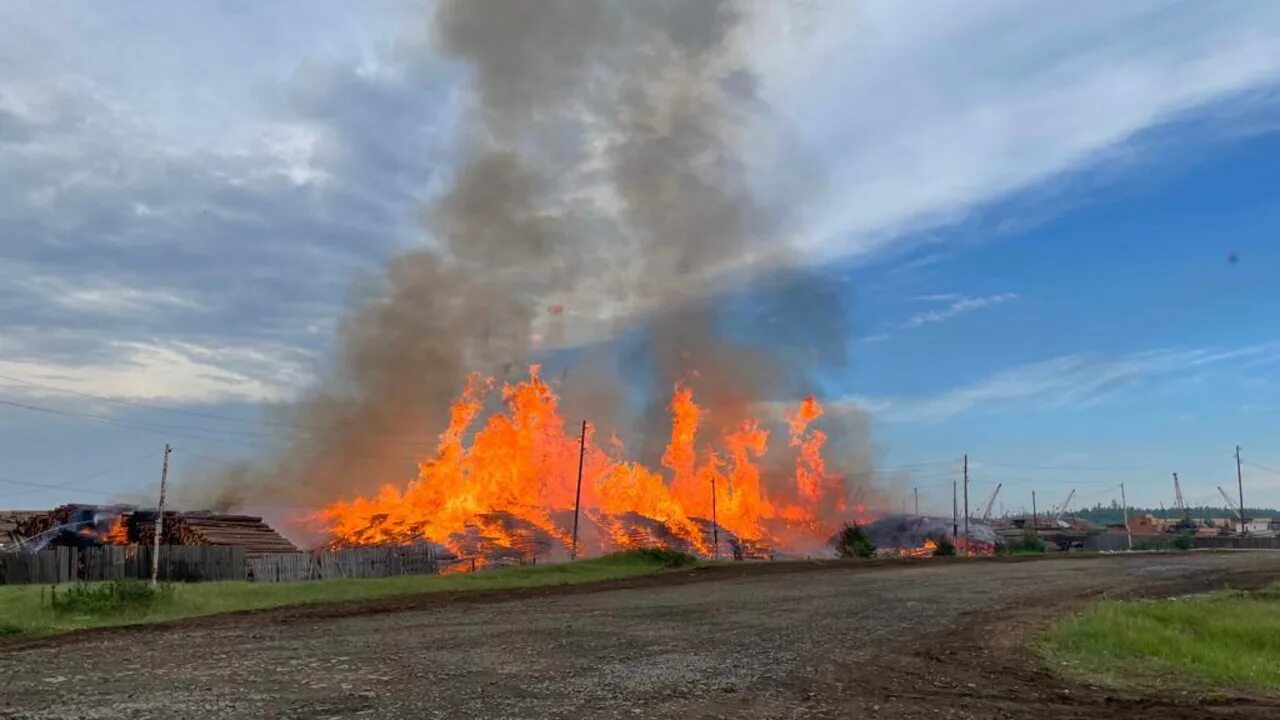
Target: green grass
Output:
[
  {"x": 1227, "y": 639},
  {"x": 25, "y": 609}
]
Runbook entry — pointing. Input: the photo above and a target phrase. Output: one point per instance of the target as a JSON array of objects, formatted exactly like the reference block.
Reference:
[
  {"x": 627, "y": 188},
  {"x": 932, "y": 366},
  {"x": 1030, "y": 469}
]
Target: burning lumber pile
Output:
[
  {"x": 123, "y": 525},
  {"x": 68, "y": 524}
]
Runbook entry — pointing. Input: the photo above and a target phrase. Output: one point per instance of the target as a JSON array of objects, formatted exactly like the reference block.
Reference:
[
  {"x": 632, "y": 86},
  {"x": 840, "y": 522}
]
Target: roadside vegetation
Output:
[
  {"x": 1028, "y": 544},
  {"x": 41, "y": 609},
  {"x": 1226, "y": 639},
  {"x": 852, "y": 541}
]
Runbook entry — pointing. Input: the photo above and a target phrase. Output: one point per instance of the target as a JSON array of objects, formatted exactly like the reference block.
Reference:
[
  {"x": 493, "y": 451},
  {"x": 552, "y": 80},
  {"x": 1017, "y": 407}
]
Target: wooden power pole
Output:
[
  {"x": 1240, "y": 486},
  {"x": 1035, "y": 517},
  {"x": 715, "y": 521},
  {"x": 1125, "y": 503},
  {"x": 955, "y": 523},
  {"x": 966, "y": 503},
  {"x": 155, "y": 548},
  {"x": 577, "y": 495}
]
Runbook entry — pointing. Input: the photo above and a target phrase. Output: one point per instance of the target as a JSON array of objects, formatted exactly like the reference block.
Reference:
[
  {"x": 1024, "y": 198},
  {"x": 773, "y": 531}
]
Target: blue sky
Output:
[{"x": 1031, "y": 211}]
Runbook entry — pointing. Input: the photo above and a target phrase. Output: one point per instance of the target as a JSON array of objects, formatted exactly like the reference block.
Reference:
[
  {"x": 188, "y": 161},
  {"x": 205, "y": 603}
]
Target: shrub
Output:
[
  {"x": 665, "y": 557},
  {"x": 853, "y": 541},
  {"x": 1185, "y": 541},
  {"x": 109, "y": 598},
  {"x": 1030, "y": 543},
  {"x": 8, "y": 628},
  {"x": 945, "y": 548}
]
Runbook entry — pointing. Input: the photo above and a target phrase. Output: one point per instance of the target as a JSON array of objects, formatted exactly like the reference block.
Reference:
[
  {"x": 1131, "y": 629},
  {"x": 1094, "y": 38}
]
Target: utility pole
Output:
[
  {"x": 715, "y": 522},
  {"x": 155, "y": 548},
  {"x": 1035, "y": 518},
  {"x": 1125, "y": 503},
  {"x": 966, "y": 503},
  {"x": 1240, "y": 485},
  {"x": 577, "y": 496},
  {"x": 955, "y": 523},
  {"x": 916, "y": 491}
]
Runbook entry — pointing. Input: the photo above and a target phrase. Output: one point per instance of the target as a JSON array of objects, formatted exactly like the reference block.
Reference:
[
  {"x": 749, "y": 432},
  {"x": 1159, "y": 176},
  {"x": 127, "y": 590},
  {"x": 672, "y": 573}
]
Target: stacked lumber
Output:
[
  {"x": 246, "y": 531},
  {"x": 10, "y": 523},
  {"x": 206, "y": 528}
]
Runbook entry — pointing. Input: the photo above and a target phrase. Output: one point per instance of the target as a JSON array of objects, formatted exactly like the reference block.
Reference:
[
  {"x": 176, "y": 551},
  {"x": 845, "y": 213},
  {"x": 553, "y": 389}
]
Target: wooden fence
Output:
[
  {"x": 1118, "y": 541},
  {"x": 354, "y": 563},
  {"x": 180, "y": 563}
]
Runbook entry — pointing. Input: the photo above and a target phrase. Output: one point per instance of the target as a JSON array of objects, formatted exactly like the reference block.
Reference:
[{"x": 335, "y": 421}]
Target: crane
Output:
[
  {"x": 1185, "y": 523},
  {"x": 991, "y": 501},
  {"x": 1232, "y": 508},
  {"x": 1057, "y": 515},
  {"x": 1177, "y": 494}
]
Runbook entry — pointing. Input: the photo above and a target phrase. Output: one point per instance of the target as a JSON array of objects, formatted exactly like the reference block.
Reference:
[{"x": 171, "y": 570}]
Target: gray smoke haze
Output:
[{"x": 602, "y": 156}]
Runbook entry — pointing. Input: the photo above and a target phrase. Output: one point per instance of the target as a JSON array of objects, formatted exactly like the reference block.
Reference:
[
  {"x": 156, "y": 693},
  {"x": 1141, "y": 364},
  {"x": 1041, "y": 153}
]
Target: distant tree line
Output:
[{"x": 1113, "y": 514}]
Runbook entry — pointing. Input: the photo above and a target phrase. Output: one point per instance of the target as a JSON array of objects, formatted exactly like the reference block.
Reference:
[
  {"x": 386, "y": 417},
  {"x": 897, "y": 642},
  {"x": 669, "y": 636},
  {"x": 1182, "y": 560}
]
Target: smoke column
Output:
[{"x": 602, "y": 167}]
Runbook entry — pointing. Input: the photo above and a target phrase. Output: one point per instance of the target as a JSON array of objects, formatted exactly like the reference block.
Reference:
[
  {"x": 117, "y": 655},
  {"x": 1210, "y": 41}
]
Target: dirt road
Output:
[{"x": 926, "y": 640}]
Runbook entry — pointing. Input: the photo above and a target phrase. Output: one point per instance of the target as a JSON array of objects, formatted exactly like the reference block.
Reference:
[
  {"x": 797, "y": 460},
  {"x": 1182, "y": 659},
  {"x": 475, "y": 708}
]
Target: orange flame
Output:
[
  {"x": 517, "y": 478},
  {"x": 118, "y": 534},
  {"x": 926, "y": 549}
]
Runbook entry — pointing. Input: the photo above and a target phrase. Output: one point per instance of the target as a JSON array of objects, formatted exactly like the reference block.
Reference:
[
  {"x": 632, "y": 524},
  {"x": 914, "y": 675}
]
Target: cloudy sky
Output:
[{"x": 1057, "y": 227}]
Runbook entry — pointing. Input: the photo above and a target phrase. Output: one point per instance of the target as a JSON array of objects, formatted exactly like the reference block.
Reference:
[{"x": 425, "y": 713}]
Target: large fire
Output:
[{"x": 511, "y": 489}]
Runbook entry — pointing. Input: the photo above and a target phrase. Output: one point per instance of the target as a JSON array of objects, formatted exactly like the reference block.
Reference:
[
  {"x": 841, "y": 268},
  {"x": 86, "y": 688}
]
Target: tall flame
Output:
[{"x": 521, "y": 468}]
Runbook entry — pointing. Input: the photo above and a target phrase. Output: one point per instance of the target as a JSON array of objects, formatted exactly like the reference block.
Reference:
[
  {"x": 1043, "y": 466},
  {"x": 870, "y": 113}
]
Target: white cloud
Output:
[
  {"x": 958, "y": 307},
  {"x": 1063, "y": 382},
  {"x": 171, "y": 372},
  {"x": 923, "y": 116}
]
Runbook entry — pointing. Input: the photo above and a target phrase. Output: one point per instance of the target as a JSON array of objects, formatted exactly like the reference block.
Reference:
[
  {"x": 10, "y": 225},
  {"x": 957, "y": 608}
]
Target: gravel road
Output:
[{"x": 929, "y": 639}]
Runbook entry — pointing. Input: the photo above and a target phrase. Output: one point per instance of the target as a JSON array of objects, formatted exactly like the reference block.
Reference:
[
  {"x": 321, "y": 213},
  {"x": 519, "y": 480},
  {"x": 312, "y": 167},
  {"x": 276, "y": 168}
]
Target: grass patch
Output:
[
  {"x": 126, "y": 597},
  {"x": 26, "y": 609},
  {"x": 1224, "y": 639}
]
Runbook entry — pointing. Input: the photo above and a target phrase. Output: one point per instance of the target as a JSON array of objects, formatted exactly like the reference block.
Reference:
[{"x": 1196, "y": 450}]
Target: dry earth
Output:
[{"x": 923, "y": 640}]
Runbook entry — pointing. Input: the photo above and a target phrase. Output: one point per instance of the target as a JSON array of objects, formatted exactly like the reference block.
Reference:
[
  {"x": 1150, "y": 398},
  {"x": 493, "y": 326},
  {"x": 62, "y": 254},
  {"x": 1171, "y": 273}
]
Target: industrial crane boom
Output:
[
  {"x": 991, "y": 501},
  {"x": 1063, "y": 507},
  {"x": 1230, "y": 507},
  {"x": 1177, "y": 494}
]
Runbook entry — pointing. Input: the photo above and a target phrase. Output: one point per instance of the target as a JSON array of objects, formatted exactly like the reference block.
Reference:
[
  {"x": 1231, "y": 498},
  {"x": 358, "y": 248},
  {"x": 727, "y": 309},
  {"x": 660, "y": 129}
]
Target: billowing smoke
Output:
[{"x": 602, "y": 192}]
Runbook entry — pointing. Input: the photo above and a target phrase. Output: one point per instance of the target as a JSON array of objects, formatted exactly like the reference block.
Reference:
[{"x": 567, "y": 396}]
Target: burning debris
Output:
[
  {"x": 921, "y": 536},
  {"x": 507, "y": 489}
]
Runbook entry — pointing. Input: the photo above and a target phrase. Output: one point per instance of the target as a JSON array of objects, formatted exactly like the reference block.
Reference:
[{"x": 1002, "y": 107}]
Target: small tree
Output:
[
  {"x": 853, "y": 541},
  {"x": 945, "y": 548},
  {"x": 1184, "y": 541}
]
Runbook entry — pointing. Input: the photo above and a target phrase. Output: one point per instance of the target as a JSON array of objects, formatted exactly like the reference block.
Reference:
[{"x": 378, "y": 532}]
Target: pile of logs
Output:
[
  {"x": 205, "y": 528},
  {"x": 37, "y": 523},
  {"x": 92, "y": 523}
]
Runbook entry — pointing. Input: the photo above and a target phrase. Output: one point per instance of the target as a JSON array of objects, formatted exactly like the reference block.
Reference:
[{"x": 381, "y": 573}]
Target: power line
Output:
[
  {"x": 1074, "y": 468},
  {"x": 72, "y": 484}
]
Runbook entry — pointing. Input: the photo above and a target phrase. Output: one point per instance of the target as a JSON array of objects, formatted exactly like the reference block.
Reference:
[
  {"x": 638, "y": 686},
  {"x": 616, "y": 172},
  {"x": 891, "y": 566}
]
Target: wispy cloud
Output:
[
  {"x": 1069, "y": 381},
  {"x": 957, "y": 307},
  {"x": 169, "y": 372}
]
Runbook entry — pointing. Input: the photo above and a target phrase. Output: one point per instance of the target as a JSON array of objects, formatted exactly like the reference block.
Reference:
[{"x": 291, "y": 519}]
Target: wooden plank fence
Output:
[
  {"x": 180, "y": 563},
  {"x": 367, "y": 562}
]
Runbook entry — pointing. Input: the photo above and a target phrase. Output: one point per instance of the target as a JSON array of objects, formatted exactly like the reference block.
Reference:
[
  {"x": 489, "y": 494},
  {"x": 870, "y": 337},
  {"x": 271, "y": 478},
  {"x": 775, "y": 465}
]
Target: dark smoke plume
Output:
[{"x": 604, "y": 165}]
